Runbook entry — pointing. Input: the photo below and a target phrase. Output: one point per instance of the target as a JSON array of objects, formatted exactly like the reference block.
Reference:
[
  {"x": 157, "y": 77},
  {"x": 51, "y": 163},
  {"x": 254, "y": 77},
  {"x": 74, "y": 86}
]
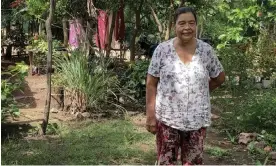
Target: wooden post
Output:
[{"x": 49, "y": 66}]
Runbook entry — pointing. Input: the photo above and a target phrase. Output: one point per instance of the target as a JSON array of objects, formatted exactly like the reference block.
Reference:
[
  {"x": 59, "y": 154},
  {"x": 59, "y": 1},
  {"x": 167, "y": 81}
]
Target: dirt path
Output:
[{"x": 32, "y": 101}]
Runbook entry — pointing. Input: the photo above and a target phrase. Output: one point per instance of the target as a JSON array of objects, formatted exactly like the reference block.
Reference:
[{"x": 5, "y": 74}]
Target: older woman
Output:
[{"x": 182, "y": 72}]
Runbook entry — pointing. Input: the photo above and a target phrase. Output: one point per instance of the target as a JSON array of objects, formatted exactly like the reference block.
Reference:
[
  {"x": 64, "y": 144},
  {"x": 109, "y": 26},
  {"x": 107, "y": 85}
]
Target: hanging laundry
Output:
[
  {"x": 120, "y": 23},
  {"x": 102, "y": 31},
  {"x": 75, "y": 34}
]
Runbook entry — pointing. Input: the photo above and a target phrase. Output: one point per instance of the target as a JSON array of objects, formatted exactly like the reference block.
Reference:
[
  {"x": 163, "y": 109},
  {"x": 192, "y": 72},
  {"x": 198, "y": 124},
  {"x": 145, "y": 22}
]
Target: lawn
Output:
[{"x": 111, "y": 142}]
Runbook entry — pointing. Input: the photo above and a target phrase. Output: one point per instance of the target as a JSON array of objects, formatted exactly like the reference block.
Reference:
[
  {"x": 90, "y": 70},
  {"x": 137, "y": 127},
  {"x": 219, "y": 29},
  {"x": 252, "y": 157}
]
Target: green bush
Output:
[
  {"x": 253, "y": 112},
  {"x": 12, "y": 81},
  {"x": 134, "y": 79},
  {"x": 89, "y": 83},
  {"x": 39, "y": 48}
]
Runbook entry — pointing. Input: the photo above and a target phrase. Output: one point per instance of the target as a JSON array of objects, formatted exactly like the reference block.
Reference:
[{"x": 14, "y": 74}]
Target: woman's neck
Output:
[{"x": 189, "y": 43}]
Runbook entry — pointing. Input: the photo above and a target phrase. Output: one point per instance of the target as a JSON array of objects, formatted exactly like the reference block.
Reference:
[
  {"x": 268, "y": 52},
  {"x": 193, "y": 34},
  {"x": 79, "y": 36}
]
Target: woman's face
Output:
[{"x": 185, "y": 27}]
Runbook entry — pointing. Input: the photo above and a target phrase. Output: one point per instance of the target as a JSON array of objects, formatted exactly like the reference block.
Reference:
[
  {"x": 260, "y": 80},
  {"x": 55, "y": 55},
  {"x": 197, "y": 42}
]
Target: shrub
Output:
[
  {"x": 13, "y": 81},
  {"x": 39, "y": 47},
  {"x": 134, "y": 79},
  {"x": 253, "y": 112},
  {"x": 90, "y": 85}
]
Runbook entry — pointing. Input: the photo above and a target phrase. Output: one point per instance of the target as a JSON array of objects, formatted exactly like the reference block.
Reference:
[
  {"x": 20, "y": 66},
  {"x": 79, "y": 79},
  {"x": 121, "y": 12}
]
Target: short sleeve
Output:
[
  {"x": 154, "y": 67},
  {"x": 214, "y": 67}
]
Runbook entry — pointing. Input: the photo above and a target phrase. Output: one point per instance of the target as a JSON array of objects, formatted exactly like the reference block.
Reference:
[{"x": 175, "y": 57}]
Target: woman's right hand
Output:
[{"x": 151, "y": 124}]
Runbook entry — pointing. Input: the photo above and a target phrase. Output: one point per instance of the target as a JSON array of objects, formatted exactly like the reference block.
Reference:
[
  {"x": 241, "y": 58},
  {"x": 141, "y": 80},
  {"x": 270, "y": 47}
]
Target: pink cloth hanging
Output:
[
  {"x": 101, "y": 36},
  {"x": 75, "y": 33}
]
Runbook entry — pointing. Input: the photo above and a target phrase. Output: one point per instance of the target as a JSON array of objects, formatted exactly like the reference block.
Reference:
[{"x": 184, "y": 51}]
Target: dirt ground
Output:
[{"x": 33, "y": 100}]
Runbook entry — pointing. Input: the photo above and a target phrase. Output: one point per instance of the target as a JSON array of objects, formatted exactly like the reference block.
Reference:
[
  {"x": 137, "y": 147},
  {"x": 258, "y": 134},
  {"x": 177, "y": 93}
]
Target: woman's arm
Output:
[
  {"x": 151, "y": 90},
  {"x": 217, "y": 81}
]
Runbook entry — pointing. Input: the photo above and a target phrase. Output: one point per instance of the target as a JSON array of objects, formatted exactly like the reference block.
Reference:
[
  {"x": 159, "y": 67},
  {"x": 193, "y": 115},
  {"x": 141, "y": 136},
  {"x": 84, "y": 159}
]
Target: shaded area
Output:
[
  {"x": 15, "y": 130},
  {"x": 25, "y": 97}
]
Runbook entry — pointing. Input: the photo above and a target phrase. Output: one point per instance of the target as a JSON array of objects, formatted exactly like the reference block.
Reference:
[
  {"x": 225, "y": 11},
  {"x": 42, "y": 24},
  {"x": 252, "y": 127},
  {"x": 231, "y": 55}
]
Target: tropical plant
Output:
[{"x": 90, "y": 85}]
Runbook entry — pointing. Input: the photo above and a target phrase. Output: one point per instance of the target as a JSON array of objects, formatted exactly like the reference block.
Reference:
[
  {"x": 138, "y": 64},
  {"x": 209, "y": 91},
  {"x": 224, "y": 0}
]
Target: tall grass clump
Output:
[{"x": 87, "y": 82}]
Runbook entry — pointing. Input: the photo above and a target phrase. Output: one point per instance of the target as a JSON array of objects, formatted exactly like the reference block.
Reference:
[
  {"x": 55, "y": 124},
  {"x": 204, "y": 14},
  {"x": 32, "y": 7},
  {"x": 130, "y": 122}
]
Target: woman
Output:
[{"x": 182, "y": 72}]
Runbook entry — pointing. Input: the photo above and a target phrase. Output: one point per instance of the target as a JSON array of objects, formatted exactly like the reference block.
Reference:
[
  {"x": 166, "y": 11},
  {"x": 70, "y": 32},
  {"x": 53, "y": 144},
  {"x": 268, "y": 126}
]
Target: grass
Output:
[
  {"x": 216, "y": 151},
  {"x": 112, "y": 142}
]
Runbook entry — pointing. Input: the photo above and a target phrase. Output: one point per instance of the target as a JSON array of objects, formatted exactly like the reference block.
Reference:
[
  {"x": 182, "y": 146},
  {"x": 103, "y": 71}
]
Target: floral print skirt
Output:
[{"x": 170, "y": 141}]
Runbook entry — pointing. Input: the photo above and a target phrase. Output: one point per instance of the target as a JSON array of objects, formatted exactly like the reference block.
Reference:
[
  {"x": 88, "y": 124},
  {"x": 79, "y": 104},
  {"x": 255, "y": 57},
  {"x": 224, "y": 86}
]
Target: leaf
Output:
[
  {"x": 221, "y": 46},
  {"x": 16, "y": 114},
  {"x": 223, "y": 36}
]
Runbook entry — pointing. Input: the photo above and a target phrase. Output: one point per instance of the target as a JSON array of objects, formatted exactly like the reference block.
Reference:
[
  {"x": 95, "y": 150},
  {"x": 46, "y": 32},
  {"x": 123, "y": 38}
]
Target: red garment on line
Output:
[
  {"x": 100, "y": 37},
  {"x": 120, "y": 23}
]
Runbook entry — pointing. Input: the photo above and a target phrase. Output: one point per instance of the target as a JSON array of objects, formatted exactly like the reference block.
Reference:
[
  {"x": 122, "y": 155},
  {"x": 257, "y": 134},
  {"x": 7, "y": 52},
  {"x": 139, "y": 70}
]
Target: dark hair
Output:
[{"x": 182, "y": 10}]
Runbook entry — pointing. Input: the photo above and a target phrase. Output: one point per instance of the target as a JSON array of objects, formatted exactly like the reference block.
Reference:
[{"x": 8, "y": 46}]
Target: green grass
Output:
[
  {"x": 216, "y": 151},
  {"x": 111, "y": 142}
]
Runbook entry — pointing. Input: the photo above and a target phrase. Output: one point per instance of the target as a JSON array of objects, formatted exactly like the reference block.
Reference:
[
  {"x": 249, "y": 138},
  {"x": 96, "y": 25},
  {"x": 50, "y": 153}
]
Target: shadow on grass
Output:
[
  {"x": 112, "y": 142},
  {"x": 14, "y": 130}
]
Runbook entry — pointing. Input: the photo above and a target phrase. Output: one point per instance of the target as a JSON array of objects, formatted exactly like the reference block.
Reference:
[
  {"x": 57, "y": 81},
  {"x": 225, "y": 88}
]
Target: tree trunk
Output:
[
  {"x": 135, "y": 31},
  {"x": 49, "y": 66},
  {"x": 91, "y": 25},
  {"x": 65, "y": 32},
  {"x": 111, "y": 34},
  {"x": 169, "y": 24},
  {"x": 157, "y": 21},
  {"x": 8, "y": 55},
  {"x": 41, "y": 27}
]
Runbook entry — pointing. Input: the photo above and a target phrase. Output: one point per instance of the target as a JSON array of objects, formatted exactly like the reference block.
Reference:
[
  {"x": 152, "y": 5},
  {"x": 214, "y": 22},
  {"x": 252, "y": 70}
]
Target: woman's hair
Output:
[{"x": 182, "y": 10}]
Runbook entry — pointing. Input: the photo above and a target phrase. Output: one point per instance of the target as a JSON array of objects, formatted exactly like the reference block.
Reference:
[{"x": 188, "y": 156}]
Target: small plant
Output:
[
  {"x": 52, "y": 129},
  {"x": 216, "y": 151},
  {"x": 232, "y": 138},
  {"x": 258, "y": 162}
]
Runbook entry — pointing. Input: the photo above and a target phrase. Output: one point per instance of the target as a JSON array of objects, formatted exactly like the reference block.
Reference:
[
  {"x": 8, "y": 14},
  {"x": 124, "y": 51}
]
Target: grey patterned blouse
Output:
[{"x": 183, "y": 99}]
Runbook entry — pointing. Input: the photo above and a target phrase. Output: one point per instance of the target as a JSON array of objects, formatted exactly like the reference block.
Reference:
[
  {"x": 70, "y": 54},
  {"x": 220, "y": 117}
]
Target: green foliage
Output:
[
  {"x": 134, "y": 79},
  {"x": 249, "y": 112},
  {"x": 269, "y": 139},
  {"x": 12, "y": 81},
  {"x": 52, "y": 129},
  {"x": 264, "y": 56},
  {"x": 37, "y": 7},
  {"x": 39, "y": 48},
  {"x": 90, "y": 84}
]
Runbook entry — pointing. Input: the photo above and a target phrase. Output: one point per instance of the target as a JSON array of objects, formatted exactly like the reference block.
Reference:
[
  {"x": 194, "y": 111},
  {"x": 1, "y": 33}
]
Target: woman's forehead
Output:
[{"x": 186, "y": 17}]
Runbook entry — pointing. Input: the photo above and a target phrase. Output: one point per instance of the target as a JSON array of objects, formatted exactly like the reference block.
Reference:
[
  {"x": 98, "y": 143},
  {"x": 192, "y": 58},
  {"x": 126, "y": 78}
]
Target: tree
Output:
[
  {"x": 136, "y": 29},
  {"x": 49, "y": 65}
]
